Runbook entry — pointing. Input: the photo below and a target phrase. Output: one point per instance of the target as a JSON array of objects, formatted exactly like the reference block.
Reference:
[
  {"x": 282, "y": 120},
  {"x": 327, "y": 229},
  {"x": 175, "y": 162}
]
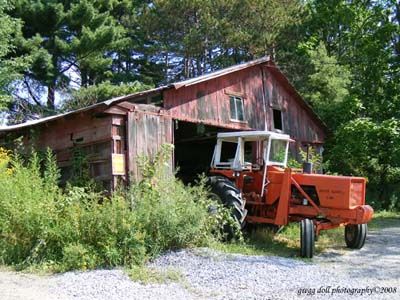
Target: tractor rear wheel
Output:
[
  {"x": 226, "y": 193},
  {"x": 307, "y": 238},
  {"x": 355, "y": 235}
]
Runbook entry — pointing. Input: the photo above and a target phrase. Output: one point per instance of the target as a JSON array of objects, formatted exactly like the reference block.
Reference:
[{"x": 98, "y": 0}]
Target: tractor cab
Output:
[{"x": 250, "y": 150}]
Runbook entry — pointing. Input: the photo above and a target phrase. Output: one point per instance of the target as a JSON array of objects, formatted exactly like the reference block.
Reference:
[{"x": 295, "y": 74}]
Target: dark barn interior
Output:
[{"x": 194, "y": 148}]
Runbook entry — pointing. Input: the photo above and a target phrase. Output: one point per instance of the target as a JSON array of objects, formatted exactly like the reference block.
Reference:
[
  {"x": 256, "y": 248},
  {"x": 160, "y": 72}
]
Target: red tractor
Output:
[{"x": 249, "y": 175}]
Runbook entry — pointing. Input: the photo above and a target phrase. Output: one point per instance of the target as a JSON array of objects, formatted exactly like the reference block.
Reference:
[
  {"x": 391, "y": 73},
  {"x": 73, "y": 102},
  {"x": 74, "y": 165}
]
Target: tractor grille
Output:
[{"x": 357, "y": 193}]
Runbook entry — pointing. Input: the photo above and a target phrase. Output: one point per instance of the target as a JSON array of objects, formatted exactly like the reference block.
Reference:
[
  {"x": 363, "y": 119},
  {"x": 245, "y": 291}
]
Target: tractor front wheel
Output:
[
  {"x": 307, "y": 238},
  {"x": 223, "y": 191},
  {"x": 355, "y": 235}
]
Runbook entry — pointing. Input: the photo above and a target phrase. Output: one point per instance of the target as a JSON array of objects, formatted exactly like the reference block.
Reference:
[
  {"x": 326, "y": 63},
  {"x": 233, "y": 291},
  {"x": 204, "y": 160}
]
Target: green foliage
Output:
[
  {"x": 171, "y": 214},
  {"x": 366, "y": 148},
  {"x": 77, "y": 228},
  {"x": 42, "y": 225},
  {"x": 194, "y": 37},
  {"x": 344, "y": 59},
  {"x": 104, "y": 91},
  {"x": 313, "y": 156},
  {"x": 327, "y": 88},
  {"x": 10, "y": 69},
  {"x": 80, "y": 168},
  {"x": 63, "y": 40}
]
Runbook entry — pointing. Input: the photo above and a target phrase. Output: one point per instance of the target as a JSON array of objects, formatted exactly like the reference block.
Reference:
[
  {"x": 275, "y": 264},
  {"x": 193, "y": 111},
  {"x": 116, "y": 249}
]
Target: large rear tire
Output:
[
  {"x": 307, "y": 238},
  {"x": 355, "y": 235},
  {"x": 226, "y": 193}
]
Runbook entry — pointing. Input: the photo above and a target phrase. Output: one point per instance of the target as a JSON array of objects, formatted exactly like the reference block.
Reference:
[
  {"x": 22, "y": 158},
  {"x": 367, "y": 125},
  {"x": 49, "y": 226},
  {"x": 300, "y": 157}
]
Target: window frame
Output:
[{"x": 237, "y": 99}]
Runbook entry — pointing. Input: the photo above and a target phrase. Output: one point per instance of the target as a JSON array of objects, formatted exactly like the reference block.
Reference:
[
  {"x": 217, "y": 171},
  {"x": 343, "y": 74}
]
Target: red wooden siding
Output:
[
  {"x": 297, "y": 121},
  {"x": 82, "y": 129},
  {"x": 92, "y": 135},
  {"x": 208, "y": 102},
  {"x": 146, "y": 134}
]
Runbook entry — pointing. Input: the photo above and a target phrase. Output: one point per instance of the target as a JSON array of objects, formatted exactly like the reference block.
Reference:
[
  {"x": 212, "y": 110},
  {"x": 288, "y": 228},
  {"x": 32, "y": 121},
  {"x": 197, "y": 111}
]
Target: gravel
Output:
[{"x": 208, "y": 274}]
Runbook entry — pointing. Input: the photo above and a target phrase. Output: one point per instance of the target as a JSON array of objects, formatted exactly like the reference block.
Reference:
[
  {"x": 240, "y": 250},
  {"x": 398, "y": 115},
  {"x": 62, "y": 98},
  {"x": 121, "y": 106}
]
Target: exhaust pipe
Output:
[{"x": 307, "y": 165}]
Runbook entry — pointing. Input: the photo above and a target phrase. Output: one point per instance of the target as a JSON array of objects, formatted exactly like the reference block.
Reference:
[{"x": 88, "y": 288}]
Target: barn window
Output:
[
  {"x": 278, "y": 123},
  {"x": 236, "y": 105}
]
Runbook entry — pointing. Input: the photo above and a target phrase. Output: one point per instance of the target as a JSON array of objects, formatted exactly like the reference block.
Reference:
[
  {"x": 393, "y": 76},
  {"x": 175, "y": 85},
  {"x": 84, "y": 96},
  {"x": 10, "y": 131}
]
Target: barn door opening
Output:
[{"x": 194, "y": 147}]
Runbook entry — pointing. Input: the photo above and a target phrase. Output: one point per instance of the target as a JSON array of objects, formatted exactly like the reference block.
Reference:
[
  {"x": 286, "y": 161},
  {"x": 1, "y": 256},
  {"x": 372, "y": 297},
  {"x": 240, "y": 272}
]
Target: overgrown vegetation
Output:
[{"x": 78, "y": 228}]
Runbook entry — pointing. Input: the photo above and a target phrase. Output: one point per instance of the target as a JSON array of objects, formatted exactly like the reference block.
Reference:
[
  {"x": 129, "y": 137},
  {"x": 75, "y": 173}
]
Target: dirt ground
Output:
[{"x": 376, "y": 265}]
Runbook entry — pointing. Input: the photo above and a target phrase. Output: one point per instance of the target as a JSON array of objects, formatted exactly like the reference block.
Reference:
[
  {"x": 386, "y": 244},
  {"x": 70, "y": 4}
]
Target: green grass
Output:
[
  {"x": 148, "y": 275},
  {"x": 384, "y": 219},
  {"x": 263, "y": 241},
  {"x": 286, "y": 243}
]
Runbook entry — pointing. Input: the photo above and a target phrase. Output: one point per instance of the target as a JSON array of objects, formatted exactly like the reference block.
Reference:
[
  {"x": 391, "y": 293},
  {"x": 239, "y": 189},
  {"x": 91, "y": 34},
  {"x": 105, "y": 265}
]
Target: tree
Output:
[
  {"x": 194, "y": 37},
  {"x": 360, "y": 35},
  {"x": 9, "y": 68},
  {"x": 363, "y": 147},
  {"x": 327, "y": 88},
  {"x": 86, "y": 96},
  {"x": 69, "y": 42},
  {"x": 344, "y": 59}
]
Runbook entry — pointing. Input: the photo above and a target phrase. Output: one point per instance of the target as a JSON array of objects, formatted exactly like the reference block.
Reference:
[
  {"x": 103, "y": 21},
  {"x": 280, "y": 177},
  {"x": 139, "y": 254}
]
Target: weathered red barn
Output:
[{"x": 112, "y": 134}]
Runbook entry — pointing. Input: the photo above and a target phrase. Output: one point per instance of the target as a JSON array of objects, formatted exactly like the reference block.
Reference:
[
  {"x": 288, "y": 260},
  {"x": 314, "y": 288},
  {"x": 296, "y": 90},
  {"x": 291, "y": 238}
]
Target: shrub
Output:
[
  {"x": 27, "y": 210},
  {"x": 39, "y": 223},
  {"x": 77, "y": 228},
  {"x": 170, "y": 214}
]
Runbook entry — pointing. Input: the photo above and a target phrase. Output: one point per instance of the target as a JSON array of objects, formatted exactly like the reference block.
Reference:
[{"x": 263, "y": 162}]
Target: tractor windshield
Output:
[
  {"x": 250, "y": 150},
  {"x": 278, "y": 151}
]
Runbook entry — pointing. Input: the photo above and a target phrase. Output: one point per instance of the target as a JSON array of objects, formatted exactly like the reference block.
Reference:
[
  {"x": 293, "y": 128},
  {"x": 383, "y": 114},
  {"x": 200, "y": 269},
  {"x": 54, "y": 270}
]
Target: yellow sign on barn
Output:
[{"x": 118, "y": 164}]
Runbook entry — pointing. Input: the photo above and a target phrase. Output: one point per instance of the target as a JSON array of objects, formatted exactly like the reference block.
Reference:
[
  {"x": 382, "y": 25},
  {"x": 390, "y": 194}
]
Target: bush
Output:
[
  {"x": 39, "y": 223},
  {"x": 171, "y": 214},
  {"x": 77, "y": 228}
]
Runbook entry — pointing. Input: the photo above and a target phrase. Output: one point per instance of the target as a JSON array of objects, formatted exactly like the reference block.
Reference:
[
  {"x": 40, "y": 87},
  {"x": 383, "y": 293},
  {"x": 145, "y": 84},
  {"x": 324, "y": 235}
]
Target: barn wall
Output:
[
  {"x": 298, "y": 122},
  {"x": 146, "y": 133},
  {"x": 209, "y": 101},
  {"x": 85, "y": 134},
  {"x": 262, "y": 91}
]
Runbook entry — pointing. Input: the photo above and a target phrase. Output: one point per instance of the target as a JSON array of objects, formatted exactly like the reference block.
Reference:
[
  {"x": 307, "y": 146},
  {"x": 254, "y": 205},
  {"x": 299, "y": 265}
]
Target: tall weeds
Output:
[{"x": 77, "y": 228}]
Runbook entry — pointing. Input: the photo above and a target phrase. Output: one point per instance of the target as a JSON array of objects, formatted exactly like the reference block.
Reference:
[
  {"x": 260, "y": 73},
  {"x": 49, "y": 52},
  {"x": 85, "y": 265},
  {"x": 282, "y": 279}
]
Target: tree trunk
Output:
[
  {"x": 397, "y": 38},
  {"x": 166, "y": 66},
  {"x": 51, "y": 93}
]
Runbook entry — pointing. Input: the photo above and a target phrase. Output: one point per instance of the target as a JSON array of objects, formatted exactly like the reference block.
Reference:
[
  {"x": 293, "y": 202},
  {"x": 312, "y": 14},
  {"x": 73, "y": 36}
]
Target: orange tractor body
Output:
[{"x": 272, "y": 193}]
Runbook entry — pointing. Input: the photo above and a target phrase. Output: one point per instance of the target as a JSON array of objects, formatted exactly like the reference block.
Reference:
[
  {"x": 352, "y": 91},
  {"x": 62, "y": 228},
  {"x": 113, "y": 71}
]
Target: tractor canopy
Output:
[{"x": 266, "y": 148}]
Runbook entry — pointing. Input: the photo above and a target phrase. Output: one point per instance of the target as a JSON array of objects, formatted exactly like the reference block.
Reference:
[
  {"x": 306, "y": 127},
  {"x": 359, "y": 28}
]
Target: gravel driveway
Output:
[{"x": 372, "y": 273}]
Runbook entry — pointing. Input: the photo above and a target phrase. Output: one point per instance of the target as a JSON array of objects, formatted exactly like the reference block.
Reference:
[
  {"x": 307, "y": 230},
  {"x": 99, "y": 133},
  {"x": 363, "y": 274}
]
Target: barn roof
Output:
[
  {"x": 104, "y": 104},
  {"x": 219, "y": 73},
  {"x": 131, "y": 97}
]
